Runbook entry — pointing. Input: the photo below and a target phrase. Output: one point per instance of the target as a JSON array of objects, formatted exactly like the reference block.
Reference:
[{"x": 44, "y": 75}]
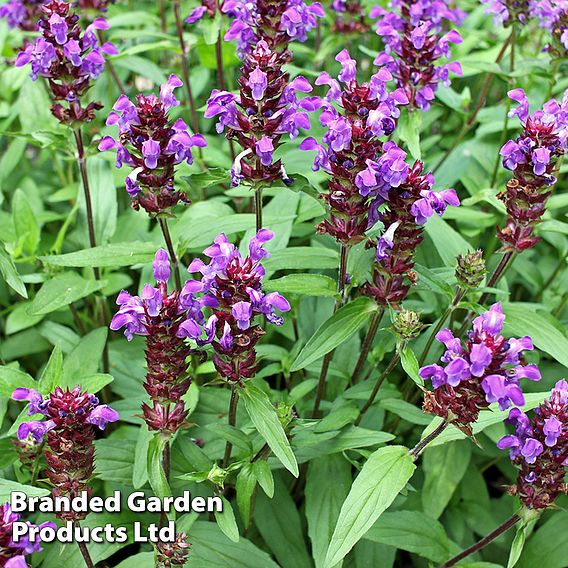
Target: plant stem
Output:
[
  {"x": 367, "y": 343},
  {"x": 82, "y": 159},
  {"x": 232, "y": 421},
  {"x": 388, "y": 370},
  {"x": 511, "y": 521},
  {"x": 341, "y": 281},
  {"x": 85, "y": 551},
  {"x": 478, "y": 106},
  {"x": 111, "y": 68},
  {"x": 171, "y": 251},
  {"x": 419, "y": 448},
  {"x": 258, "y": 207},
  {"x": 163, "y": 21},
  {"x": 460, "y": 293},
  {"x": 35, "y": 470},
  {"x": 508, "y": 106},
  {"x": 185, "y": 66}
]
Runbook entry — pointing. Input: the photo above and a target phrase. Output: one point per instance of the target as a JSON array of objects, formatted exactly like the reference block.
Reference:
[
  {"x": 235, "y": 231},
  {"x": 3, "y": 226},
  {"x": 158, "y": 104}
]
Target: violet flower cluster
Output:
[
  {"x": 350, "y": 17},
  {"x": 362, "y": 168},
  {"x": 22, "y": 14},
  {"x": 275, "y": 22},
  {"x": 233, "y": 283},
  {"x": 484, "y": 369},
  {"x": 414, "y": 44},
  {"x": 266, "y": 108},
  {"x": 165, "y": 319},
  {"x": 70, "y": 417},
  {"x": 539, "y": 448},
  {"x": 152, "y": 145},
  {"x": 533, "y": 158},
  {"x": 550, "y": 14},
  {"x": 410, "y": 202},
  {"x": 69, "y": 58},
  {"x": 12, "y": 554}
]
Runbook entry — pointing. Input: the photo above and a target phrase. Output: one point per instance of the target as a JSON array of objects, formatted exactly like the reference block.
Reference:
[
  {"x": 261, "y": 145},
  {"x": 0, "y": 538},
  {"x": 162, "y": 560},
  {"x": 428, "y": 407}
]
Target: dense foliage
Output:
[{"x": 306, "y": 257}]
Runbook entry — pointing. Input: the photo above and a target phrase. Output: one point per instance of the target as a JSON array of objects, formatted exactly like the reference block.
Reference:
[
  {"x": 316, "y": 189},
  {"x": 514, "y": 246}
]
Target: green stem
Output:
[
  {"x": 460, "y": 293},
  {"x": 185, "y": 66},
  {"x": 258, "y": 207},
  {"x": 85, "y": 551},
  {"x": 367, "y": 343},
  {"x": 419, "y": 448},
  {"x": 341, "y": 281},
  {"x": 479, "y": 105},
  {"x": 171, "y": 251},
  {"x": 388, "y": 370},
  {"x": 232, "y": 421},
  {"x": 504, "y": 527}
]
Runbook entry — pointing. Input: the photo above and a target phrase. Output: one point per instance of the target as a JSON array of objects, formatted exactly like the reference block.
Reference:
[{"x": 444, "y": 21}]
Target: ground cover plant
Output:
[{"x": 305, "y": 257}]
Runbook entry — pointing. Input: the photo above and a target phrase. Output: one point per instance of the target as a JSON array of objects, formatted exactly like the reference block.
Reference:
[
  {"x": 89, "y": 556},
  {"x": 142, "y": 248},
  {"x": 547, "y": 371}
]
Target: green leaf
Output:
[
  {"x": 62, "y": 291},
  {"x": 408, "y": 129},
  {"x": 548, "y": 546},
  {"x": 6, "y": 488},
  {"x": 278, "y": 521},
  {"x": 517, "y": 546},
  {"x": 302, "y": 258},
  {"x": 448, "y": 242},
  {"x": 246, "y": 483},
  {"x": 25, "y": 223},
  {"x": 486, "y": 419},
  {"x": 211, "y": 28},
  {"x": 156, "y": 474},
  {"x": 10, "y": 274},
  {"x": 414, "y": 532},
  {"x": 95, "y": 383},
  {"x": 226, "y": 521},
  {"x": 523, "y": 320},
  {"x": 51, "y": 376},
  {"x": 444, "y": 468},
  {"x": 210, "y": 548},
  {"x": 381, "y": 479},
  {"x": 85, "y": 358},
  {"x": 410, "y": 365},
  {"x": 112, "y": 255},
  {"x": 327, "y": 486},
  {"x": 335, "y": 331},
  {"x": 140, "y": 470},
  {"x": 11, "y": 379},
  {"x": 304, "y": 284},
  {"x": 263, "y": 474},
  {"x": 265, "y": 420}
]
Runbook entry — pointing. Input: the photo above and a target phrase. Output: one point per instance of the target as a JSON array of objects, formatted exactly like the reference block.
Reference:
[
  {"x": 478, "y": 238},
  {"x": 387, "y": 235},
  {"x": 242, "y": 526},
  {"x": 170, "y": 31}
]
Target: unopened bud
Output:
[
  {"x": 407, "y": 324},
  {"x": 470, "y": 270}
]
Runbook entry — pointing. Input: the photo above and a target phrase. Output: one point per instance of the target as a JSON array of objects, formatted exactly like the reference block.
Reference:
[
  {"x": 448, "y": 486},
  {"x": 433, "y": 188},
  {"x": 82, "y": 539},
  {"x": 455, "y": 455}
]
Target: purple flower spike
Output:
[{"x": 484, "y": 369}]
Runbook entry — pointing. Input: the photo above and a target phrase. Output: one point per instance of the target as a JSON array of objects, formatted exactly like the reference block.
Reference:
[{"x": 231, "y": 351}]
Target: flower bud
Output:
[
  {"x": 471, "y": 270},
  {"x": 407, "y": 324},
  {"x": 171, "y": 554}
]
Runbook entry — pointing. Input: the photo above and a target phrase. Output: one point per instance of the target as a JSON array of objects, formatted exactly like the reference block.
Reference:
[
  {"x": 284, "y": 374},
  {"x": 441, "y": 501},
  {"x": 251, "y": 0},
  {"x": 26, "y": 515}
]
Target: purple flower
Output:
[
  {"x": 258, "y": 82},
  {"x": 226, "y": 340},
  {"x": 102, "y": 415},
  {"x": 499, "y": 389},
  {"x": 264, "y": 149},
  {"x": 40, "y": 54},
  {"x": 491, "y": 321},
  {"x": 338, "y": 135},
  {"x": 435, "y": 373},
  {"x": 480, "y": 357},
  {"x": 242, "y": 312},
  {"x": 531, "y": 450},
  {"x": 151, "y": 152},
  {"x": 58, "y": 27},
  {"x": 196, "y": 14},
  {"x": 161, "y": 266},
  {"x": 256, "y": 250},
  {"x": 37, "y": 404},
  {"x": 37, "y": 429},
  {"x": 433, "y": 202},
  {"x": 386, "y": 242},
  {"x": 167, "y": 91},
  {"x": 552, "y": 429},
  {"x": 456, "y": 371},
  {"x": 348, "y": 66}
]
